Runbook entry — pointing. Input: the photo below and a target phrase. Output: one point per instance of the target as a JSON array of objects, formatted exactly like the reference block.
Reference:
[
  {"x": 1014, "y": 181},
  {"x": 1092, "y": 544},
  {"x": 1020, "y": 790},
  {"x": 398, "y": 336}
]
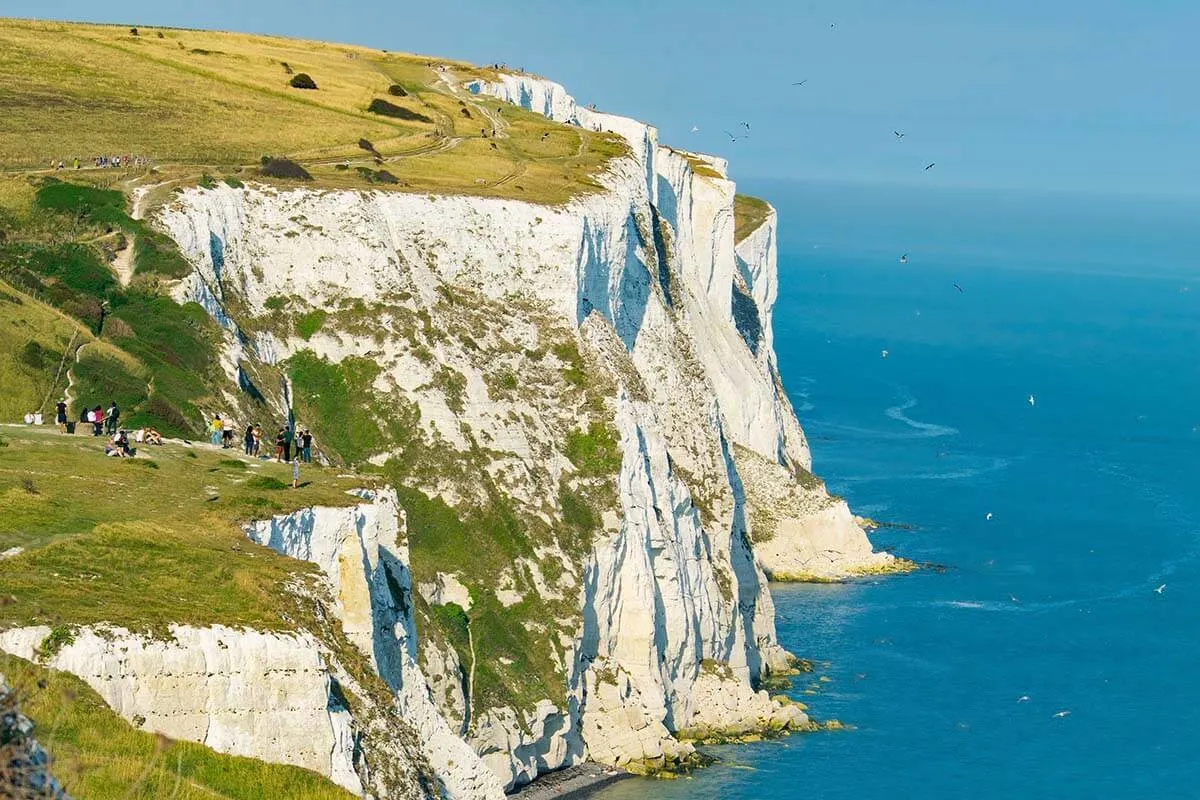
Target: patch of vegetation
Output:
[
  {"x": 98, "y": 755},
  {"x": 59, "y": 637},
  {"x": 453, "y": 385},
  {"x": 396, "y": 90},
  {"x": 377, "y": 176},
  {"x": 233, "y": 183},
  {"x": 285, "y": 168},
  {"x": 575, "y": 370},
  {"x": 595, "y": 452},
  {"x": 338, "y": 402},
  {"x": 308, "y": 324},
  {"x": 302, "y": 80},
  {"x": 386, "y": 109},
  {"x": 267, "y": 482}
]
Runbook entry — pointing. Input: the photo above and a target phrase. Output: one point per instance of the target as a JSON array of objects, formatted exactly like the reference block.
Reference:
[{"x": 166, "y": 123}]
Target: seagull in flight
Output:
[
  {"x": 989, "y": 516},
  {"x": 1023, "y": 698},
  {"x": 904, "y": 258},
  {"x": 899, "y": 134},
  {"x": 800, "y": 83},
  {"x": 732, "y": 138},
  {"x": 883, "y": 353},
  {"x": 746, "y": 125},
  {"x": 1061, "y": 714},
  {"x": 1032, "y": 400},
  {"x": 695, "y": 129},
  {"x": 960, "y": 289},
  {"x": 1159, "y": 590},
  {"x": 931, "y": 166}
]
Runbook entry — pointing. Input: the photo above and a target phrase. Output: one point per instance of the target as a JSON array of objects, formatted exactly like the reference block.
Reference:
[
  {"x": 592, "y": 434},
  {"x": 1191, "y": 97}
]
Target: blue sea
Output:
[{"x": 1037, "y": 659}]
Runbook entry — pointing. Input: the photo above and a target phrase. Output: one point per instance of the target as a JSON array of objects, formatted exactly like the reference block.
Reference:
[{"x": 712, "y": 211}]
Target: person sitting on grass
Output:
[
  {"x": 119, "y": 446},
  {"x": 152, "y": 436}
]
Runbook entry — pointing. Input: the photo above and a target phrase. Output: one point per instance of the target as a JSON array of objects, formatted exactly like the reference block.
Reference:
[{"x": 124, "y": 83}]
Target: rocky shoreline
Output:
[{"x": 572, "y": 783}]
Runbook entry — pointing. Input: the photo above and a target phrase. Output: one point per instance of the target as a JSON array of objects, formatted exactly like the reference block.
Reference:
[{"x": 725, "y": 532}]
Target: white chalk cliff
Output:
[{"x": 663, "y": 623}]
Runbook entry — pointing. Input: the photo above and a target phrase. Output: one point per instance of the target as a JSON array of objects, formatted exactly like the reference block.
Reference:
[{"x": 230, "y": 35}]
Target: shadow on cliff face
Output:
[{"x": 621, "y": 301}]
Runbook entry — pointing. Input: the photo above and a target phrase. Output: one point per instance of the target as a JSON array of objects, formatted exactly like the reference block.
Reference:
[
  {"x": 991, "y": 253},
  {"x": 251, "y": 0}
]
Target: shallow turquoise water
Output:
[{"x": 1094, "y": 308}]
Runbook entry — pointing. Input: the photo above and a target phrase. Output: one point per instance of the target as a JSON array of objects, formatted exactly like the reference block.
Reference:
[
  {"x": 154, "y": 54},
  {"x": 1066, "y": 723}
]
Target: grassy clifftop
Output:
[
  {"x": 199, "y": 102},
  {"x": 749, "y": 213}
]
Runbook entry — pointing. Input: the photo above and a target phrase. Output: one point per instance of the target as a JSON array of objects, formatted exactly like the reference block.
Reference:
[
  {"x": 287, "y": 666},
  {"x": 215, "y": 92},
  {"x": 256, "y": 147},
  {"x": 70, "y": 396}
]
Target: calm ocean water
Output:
[{"x": 1093, "y": 307}]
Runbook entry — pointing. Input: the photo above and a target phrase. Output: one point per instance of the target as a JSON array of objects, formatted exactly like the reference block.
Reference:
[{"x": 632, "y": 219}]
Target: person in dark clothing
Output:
[
  {"x": 279, "y": 446},
  {"x": 306, "y": 446},
  {"x": 288, "y": 438},
  {"x": 60, "y": 409},
  {"x": 248, "y": 440},
  {"x": 114, "y": 415}
]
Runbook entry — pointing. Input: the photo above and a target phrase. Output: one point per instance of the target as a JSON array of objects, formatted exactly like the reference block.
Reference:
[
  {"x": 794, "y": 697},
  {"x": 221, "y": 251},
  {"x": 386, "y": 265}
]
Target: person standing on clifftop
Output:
[
  {"x": 296, "y": 473},
  {"x": 288, "y": 438},
  {"x": 216, "y": 429},
  {"x": 279, "y": 446},
  {"x": 114, "y": 415},
  {"x": 306, "y": 446},
  {"x": 60, "y": 414},
  {"x": 248, "y": 440}
]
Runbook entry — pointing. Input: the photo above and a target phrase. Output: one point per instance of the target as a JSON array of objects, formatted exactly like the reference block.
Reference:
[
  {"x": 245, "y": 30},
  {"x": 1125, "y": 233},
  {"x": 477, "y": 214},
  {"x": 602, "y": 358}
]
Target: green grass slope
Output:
[{"x": 148, "y": 541}]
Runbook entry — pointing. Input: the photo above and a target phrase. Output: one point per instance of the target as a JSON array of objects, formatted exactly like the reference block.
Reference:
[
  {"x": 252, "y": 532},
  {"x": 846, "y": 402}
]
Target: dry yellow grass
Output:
[
  {"x": 206, "y": 101},
  {"x": 749, "y": 213}
]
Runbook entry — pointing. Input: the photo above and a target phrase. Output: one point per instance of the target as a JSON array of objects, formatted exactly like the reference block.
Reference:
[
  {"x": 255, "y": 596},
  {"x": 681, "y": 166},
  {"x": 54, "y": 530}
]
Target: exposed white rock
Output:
[
  {"x": 363, "y": 553},
  {"x": 263, "y": 695},
  {"x": 723, "y": 706},
  {"x": 445, "y": 589},
  {"x": 646, "y": 271},
  {"x": 803, "y": 534}
]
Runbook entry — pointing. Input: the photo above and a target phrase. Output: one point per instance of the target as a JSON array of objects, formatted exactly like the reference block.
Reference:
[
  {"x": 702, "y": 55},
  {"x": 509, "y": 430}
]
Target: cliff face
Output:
[{"x": 580, "y": 409}]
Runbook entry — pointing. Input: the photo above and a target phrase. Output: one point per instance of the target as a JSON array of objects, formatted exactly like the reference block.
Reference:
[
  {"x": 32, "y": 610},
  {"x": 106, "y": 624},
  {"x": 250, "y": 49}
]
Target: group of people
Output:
[
  {"x": 291, "y": 443},
  {"x": 103, "y": 423},
  {"x": 101, "y": 162}
]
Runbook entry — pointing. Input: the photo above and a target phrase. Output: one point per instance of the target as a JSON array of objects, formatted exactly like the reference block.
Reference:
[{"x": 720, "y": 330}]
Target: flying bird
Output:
[
  {"x": 1023, "y": 698},
  {"x": 931, "y": 166},
  {"x": 800, "y": 83},
  {"x": 1032, "y": 400},
  {"x": 1160, "y": 588},
  {"x": 732, "y": 138},
  {"x": 695, "y": 129},
  {"x": 989, "y": 516},
  {"x": 883, "y": 353},
  {"x": 1014, "y": 598},
  {"x": 1061, "y": 714},
  {"x": 960, "y": 289},
  {"x": 904, "y": 258},
  {"x": 899, "y": 134},
  {"x": 746, "y": 125}
]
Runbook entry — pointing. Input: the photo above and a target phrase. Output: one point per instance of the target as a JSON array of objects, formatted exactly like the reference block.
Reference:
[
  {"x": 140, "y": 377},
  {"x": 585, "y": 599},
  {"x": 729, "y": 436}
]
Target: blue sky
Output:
[{"x": 1072, "y": 95}]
